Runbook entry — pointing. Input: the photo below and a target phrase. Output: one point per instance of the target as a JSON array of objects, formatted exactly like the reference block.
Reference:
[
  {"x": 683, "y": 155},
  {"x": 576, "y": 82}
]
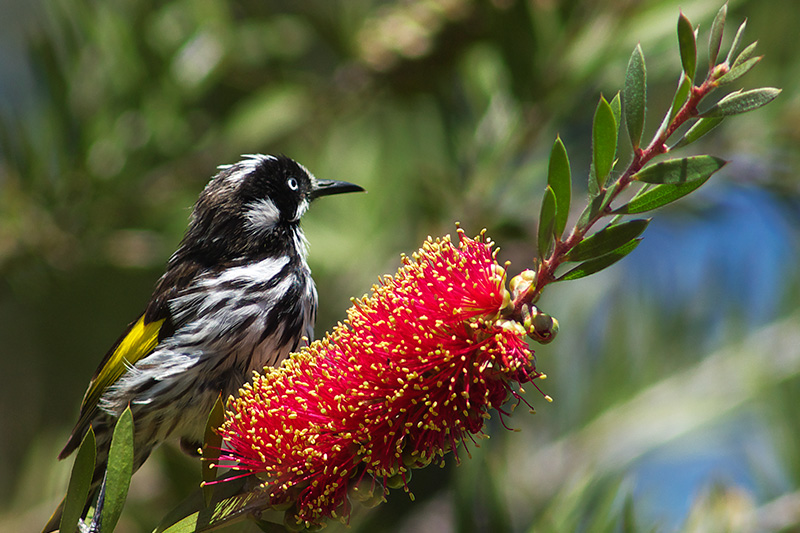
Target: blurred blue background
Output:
[{"x": 675, "y": 374}]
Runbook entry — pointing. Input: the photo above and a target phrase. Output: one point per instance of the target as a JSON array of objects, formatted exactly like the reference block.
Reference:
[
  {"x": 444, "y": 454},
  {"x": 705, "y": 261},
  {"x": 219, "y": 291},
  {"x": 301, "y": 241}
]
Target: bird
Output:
[{"x": 237, "y": 295}]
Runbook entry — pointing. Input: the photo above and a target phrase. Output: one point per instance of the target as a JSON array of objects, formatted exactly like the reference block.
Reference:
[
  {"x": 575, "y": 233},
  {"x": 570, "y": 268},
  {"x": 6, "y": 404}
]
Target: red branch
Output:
[{"x": 545, "y": 273}]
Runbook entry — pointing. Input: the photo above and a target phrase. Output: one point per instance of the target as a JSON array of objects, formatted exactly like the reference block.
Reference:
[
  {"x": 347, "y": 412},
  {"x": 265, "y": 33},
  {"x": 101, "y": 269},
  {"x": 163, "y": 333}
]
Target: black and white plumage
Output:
[{"x": 237, "y": 295}]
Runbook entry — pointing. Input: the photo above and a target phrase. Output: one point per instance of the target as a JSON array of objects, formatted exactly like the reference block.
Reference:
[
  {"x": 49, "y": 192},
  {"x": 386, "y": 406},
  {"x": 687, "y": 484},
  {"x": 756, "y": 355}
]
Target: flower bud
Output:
[
  {"x": 520, "y": 283},
  {"x": 540, "y": 327},
  {"x": 511, "y": 326},
  {"x": 499, "y": 272}
]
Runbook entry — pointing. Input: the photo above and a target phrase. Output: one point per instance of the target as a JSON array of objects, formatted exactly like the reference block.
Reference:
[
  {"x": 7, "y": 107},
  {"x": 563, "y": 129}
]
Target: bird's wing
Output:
[{"x": 138, "y": 341}]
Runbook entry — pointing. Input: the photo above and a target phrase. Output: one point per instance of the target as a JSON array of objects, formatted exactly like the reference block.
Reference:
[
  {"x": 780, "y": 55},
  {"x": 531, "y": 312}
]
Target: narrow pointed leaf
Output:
[
  {"x": 736, "y": 40},
  {"x": 688, "y": 46},
  {"x": 559, "y": 178},
  {"x": 739, "y": 70},
  {"x": 678, "y": 99},
  {"x": 715, "y": 37},
  {"x": 233, "y": 501},
  {"x": 616, "y": 108},
  {"x": 635, "y": 96},
  {"x": 596, "y": 206},
  {"x": 604, "y": 141},
  {"x": 742, "y": 65},
  {"x": 698, "y": 129},
  {"x": 659, "y": 196},
  {"x": 593, "y": 187},
  {"x": 118, "y": 471},
  {"x": 748, "y": 53},
  {"x": 742, "y": 102},
  {"x": 596, "y": 265},
  {"x": 591, "y": 209},
  {"x": 675, "y": 171},
  {"x": 681, "y": 95},
  {"x": 607, "y": 240},
  {"x": 212, "y": 445},
  {"x": 547, "y": 221},
  {"x": 227, "y": 512},
  {"x": 80, "y": 482}
]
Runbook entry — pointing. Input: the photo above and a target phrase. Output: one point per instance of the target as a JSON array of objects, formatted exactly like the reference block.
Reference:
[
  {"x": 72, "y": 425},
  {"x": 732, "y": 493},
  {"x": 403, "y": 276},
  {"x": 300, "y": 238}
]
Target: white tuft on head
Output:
[
  {"x": 245, "y": 166},
  {"x": 262, "y": 216}
]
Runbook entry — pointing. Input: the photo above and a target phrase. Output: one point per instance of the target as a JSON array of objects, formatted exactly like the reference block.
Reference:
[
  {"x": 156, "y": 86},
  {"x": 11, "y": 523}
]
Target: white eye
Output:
[{"x": 292, "y": 183}]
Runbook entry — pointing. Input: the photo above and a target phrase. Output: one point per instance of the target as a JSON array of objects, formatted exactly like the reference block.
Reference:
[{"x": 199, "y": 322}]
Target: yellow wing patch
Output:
[{"x": 140, "y": 341}]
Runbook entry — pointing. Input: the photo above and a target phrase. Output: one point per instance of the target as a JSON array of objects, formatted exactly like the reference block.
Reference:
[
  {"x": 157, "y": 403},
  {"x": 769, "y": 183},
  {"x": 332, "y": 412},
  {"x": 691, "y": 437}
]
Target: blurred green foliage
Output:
[{"x": 115, "y": 113}]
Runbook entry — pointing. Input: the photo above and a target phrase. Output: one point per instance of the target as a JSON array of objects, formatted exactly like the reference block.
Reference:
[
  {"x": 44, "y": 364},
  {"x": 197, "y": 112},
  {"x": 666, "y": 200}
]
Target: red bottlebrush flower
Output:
[{"x": 410, "y": 374}]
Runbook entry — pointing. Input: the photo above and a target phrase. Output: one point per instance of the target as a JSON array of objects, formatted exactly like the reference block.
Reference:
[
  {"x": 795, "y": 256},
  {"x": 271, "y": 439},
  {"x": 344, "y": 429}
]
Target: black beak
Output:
[{"x": 328, "y": 187}]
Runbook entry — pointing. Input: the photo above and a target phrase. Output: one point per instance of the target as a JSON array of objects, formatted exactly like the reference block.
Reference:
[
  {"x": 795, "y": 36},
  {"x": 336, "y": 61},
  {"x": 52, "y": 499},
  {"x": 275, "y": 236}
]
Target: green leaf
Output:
[
  {"x": 736, "y": 40},
  {"x": 591, "y": 210},
  {"x": 688, "y": 46},
  {"x": 659, "y": 196},
  {"x": 746, "y": 54},
  {"x": 593, "y": 187},
  {"x": 738, "y": 71},
  {"x": 547, "y": 221},
  {"x": 559, "y": 178},
  {"x": 607, "y": 240},
  {"x": 234, "y": 500},
  {"x": 698, "y": 129},
  {"x": 635, "y": 96},
  {"x": 212, "y": 445},
  {"x": 118, "y": 471},
  {"x": 596, "y": 206},
  {"x": 742, "y": 101},
  {"x": 676, "y": 171},
  {"x": 80, "y": 482},
  {"x": 616, "y": 108},
  {"x": 681, "y": 95},
  {"x": 604, "y": 141},
  {"x": 744, "y": 62},
  {"x": 715, "y": 37},
  {"x": 596, "y": 265},
  {"x": 678, "y": 99}
]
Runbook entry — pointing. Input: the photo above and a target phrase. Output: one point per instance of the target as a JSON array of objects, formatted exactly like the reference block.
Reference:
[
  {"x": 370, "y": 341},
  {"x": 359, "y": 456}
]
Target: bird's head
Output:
[{"x": 255, "y": 205}]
